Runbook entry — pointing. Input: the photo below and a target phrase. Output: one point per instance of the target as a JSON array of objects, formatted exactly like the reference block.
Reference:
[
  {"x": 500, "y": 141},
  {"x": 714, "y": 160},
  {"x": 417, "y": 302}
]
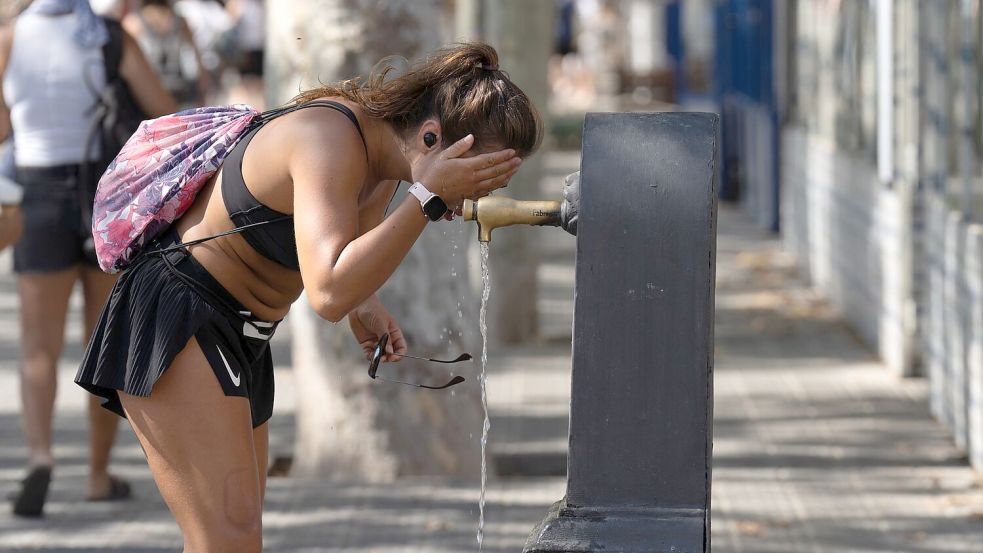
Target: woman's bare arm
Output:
[
  {"x": 340, "y": 266},
  {"x": 6, "y": 43},
  {"x": 341, "y": 269},
  {"x": 143, "y": 81}
]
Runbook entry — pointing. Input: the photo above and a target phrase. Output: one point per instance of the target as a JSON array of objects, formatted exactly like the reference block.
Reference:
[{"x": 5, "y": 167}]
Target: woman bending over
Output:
[{"x": 180, "y": 349}]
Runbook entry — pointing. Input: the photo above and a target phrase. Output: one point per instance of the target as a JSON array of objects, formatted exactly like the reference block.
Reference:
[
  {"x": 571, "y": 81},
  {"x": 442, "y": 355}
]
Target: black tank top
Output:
[{"x": 268, "y": 231}]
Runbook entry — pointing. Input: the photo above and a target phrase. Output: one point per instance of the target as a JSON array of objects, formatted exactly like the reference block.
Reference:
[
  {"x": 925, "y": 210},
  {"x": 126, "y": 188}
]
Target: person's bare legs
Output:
[
  {"x": 96, "y": 286},
  {"x": 43, "y": 306},
  {"x": 200, "y": 447},
  {"x": 261, "y": 446}
]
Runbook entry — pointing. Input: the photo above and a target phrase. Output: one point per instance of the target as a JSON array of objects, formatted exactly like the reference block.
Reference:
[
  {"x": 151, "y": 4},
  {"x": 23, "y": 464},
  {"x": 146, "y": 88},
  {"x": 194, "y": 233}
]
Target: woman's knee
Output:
[
  {"x": 234, "y": 524},
  {"x": 242, "y": 506},
  {"x": 40, "y": 359},
  {"x": 41, "y": 346},
  {"x": 228, "y": 538}
]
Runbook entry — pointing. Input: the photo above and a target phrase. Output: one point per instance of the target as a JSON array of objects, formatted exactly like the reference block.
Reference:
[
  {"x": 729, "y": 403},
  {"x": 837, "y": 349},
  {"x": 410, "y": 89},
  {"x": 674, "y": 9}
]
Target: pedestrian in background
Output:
[
  {"x": 210, "y": 23},
  {"x": 112, "y": 9},
  {"x": 247, "y": 39},
  {"x": 53, "y": 67},
  {"x": 167, "y": 42}
]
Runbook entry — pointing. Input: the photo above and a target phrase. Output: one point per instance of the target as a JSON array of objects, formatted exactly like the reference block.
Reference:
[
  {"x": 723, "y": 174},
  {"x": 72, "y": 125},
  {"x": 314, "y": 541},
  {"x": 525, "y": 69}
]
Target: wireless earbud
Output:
[{"x": 430, "y": 139}]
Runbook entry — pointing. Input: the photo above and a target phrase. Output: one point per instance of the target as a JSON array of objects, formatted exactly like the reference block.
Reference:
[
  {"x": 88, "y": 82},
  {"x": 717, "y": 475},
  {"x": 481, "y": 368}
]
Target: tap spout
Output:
[{"x": 492, "y": 212}]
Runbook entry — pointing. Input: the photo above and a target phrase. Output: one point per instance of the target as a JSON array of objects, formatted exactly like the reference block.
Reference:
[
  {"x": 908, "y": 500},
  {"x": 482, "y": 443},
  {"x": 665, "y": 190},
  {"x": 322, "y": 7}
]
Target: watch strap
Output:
[
  {"x": 432, "y": 205},
  {"x": 421, "y": 193}
]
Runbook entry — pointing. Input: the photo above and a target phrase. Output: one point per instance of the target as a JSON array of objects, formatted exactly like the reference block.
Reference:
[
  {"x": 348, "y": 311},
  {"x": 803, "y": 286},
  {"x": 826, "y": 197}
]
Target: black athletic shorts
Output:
[
  {"x": 156, "y": 306},
  {"x": 57, "y": 221}
]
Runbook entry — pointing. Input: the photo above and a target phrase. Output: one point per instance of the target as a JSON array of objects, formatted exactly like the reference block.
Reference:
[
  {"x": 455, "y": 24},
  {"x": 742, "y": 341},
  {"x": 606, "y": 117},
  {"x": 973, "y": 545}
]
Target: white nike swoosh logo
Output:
[{"x": 235, "y": 379}]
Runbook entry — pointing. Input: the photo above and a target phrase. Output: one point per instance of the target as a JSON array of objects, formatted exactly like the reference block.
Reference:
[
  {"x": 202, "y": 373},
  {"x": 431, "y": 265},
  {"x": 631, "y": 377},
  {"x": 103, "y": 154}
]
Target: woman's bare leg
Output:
[
  {"x": 43, "y": 306},
  {"x": 261, "y": 445},
  {"x": 96, "y": 286},
  {"x": 199, "y": 444}
]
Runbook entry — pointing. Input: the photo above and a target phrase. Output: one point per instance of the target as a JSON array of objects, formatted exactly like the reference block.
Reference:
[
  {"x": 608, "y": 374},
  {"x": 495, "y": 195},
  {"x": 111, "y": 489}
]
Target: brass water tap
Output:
[{"x": 492, "y": 212}]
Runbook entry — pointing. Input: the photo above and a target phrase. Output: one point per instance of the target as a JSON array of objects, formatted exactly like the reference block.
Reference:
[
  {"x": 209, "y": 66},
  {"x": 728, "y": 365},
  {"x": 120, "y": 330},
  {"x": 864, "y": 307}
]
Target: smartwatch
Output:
[{"x": 433, "y": 207}]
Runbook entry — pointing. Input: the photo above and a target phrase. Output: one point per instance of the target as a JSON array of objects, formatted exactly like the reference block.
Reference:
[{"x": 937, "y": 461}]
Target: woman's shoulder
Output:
[
  {"x": 328, "y": 119},
  {"x": 321, "y": 135}
]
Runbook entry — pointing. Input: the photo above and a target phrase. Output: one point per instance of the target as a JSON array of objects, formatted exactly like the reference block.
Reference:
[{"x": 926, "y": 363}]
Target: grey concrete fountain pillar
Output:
[{"x": 638, "y": 473}]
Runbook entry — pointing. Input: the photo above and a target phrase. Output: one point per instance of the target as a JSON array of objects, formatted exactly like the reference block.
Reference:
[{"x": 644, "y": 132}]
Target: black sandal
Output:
[
  {"x": 119, "y": 490},
  {"x": 34, "y": 490}
]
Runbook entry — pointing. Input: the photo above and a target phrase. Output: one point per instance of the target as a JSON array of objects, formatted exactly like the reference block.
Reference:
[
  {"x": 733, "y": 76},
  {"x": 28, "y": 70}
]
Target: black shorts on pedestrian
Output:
[
  {"x": 57, "y": 208},
  {"x": 158, "y": 304}
]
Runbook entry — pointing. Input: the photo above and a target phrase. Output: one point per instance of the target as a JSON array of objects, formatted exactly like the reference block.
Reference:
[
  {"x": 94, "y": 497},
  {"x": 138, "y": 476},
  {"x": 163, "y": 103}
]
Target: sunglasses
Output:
[{"x": 380, "y": 350}]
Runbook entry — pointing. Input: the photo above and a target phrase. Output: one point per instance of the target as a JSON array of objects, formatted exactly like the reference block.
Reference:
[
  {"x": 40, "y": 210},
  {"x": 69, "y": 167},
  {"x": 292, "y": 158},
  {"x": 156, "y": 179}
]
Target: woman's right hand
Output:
[{"x": 455, "y": 178}]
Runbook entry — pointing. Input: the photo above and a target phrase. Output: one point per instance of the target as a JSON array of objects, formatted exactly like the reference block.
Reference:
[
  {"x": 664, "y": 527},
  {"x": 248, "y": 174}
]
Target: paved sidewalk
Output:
[{"x": 817, "y": 447}]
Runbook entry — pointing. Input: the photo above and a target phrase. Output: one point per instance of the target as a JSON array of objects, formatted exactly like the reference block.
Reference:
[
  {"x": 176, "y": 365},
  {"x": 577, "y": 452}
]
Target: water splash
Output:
[{"x": 485, "y": 292}]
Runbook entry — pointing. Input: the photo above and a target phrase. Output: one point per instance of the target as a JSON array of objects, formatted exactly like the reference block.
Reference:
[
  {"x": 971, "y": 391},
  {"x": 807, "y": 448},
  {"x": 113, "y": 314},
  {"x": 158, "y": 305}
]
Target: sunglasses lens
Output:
[
  {"x": 374, "y": 364},
  {"x": 380, "y": 349}
]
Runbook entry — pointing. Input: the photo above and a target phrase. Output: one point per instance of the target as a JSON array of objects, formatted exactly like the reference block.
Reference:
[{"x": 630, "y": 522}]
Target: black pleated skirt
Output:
[{"x": 154, "y": 309}]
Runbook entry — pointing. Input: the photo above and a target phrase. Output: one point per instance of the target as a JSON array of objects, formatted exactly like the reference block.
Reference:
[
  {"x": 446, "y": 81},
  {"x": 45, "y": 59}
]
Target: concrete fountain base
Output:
[{"x": 583, "y": 530}]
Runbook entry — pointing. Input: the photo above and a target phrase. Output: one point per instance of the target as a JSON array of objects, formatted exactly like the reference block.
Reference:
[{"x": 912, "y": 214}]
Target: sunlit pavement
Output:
[{"x": 817, "y": 448}]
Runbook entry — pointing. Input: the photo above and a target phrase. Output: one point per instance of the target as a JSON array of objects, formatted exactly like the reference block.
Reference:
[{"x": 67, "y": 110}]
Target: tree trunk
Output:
[
  {"x": 349, "y": 426},
  {"x": 521, "y": 31}
]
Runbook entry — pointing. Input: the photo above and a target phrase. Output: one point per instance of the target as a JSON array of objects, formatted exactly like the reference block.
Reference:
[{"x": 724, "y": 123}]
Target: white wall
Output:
[
  {"x": 847, "y": 231},
  {"x": 952, "y": 327}
]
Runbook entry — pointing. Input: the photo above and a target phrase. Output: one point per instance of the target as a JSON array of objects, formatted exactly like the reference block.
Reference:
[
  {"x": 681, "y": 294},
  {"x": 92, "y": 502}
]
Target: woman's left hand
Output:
[{"x": 369, "y": 322}]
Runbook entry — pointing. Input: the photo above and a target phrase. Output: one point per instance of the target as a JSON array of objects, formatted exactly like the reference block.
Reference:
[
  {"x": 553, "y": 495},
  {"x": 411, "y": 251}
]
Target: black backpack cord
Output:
[
  {"x": 209, "y": 296},
  {"x": 197, "y": 241}
]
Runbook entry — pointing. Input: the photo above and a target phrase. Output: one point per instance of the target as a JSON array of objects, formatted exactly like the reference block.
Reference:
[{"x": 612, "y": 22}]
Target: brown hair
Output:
[{"x": 461, "y": 86}]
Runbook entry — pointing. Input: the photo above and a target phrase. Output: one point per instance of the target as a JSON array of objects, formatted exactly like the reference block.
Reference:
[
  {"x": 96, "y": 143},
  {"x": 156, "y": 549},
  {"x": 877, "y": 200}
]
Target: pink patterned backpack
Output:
[{"x": 157, "y": 175}]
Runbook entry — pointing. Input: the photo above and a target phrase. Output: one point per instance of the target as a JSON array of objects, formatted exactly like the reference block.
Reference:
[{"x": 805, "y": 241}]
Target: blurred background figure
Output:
[
  {"x": 49, "y": 108},
  {"x": 244, "y": 47},
  {"x": 112, "y": 9},
  {"x": 211, "y": 28},
  {"x": 169, "y": 46}
]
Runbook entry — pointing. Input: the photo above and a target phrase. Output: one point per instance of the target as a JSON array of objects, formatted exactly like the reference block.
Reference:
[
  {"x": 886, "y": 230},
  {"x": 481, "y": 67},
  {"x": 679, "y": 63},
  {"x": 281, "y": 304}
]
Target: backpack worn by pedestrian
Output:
[
  {"x": 117, "y": 117},
  {"x": 117, "y": 113}
]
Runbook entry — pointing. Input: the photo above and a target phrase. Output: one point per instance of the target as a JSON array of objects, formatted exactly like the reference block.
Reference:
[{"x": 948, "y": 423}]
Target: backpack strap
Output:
[
  {"x": 236, "y": 230},
  {"x": 112, "y": 50},
  {"x": 267, "y": 116},
  {"x": 112, "y": 57}
]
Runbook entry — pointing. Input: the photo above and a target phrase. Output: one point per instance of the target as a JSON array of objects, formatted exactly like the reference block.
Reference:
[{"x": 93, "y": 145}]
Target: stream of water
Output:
[{"x": 485, "y": 292}]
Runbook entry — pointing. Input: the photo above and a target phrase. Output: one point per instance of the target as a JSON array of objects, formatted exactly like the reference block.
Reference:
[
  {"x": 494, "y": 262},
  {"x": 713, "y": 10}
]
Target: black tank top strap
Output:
[{"x": 269, "y": 115}]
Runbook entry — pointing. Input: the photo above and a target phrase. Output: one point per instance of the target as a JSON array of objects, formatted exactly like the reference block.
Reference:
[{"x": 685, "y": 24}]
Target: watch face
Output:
[{"x": 435, "y": 208}]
